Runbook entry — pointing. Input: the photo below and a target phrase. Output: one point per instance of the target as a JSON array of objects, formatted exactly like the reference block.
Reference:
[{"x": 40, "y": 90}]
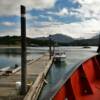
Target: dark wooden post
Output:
[
  {"x": 23, "y": 51},
  {"x": 98, "y": 50},
  {"x": 50, "y": 47},
  {"x": 53, "y": 48}
]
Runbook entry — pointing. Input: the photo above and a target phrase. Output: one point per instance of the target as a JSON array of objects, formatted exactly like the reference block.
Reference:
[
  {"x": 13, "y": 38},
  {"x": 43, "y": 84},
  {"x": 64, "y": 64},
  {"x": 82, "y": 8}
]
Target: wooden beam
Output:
[
  {"x": 50, "y": 51},
  {"x": 23, "y": 50}
]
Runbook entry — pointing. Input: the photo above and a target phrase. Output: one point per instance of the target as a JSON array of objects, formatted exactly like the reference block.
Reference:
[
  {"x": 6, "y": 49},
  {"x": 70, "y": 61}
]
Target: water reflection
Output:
[
  {"x": 56, "y": 72},
  {"x": 74, "y": 55},
  {"x": 9, "y": 56}
]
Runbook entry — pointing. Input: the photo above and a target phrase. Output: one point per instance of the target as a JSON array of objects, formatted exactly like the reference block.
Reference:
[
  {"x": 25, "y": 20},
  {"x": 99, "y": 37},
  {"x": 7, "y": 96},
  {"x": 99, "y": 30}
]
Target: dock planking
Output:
[
  {"x": 8, "y": 89},
  {"x": 37, "y": 66}
]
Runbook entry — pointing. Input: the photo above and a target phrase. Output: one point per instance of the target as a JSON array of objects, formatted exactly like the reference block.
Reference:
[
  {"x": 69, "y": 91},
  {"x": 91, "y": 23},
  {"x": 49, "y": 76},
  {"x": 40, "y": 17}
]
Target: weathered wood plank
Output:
[{"x": 37, "y": 86}]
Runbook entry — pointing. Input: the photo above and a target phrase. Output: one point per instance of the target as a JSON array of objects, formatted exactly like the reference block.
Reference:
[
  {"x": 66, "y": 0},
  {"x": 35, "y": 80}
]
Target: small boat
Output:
[{"x": 59, "y": 56}]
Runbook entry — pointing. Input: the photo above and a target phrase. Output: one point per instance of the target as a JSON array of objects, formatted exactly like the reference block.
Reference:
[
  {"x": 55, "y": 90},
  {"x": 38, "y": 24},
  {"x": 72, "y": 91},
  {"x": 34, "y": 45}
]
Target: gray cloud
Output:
[
  {"x": 12, "y": 7},
  {"x": 8, "y": 24},
  {"x": 84, "y": 29}
]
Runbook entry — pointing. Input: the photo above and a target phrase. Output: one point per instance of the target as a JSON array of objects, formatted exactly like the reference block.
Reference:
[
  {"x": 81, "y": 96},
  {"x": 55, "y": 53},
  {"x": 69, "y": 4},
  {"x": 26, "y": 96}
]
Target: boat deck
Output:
[{"x": 83, "y": 83}]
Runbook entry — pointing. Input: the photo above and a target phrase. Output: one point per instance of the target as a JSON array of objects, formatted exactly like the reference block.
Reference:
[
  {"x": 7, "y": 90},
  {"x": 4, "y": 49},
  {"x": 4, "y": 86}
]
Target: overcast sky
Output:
[{"x": 76, "y": 18}]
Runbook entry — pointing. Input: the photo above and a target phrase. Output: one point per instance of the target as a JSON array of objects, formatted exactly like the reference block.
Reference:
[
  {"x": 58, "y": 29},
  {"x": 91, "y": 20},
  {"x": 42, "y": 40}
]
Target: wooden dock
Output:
[{"x": 36, "y": 72}]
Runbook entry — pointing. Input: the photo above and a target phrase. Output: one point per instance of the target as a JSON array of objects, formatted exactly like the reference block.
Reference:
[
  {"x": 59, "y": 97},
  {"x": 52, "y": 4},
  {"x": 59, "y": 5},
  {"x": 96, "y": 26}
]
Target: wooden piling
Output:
[
  {"x": 50, "y": 51},
  {"x": 23, "y": 50}
]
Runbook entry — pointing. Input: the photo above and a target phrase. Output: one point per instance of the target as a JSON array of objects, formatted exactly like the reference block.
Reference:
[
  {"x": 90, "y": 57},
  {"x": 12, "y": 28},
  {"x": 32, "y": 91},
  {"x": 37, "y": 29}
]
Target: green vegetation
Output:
[
  {"x": 7, "y": 40},
  {"x": 16, "y": 41}
]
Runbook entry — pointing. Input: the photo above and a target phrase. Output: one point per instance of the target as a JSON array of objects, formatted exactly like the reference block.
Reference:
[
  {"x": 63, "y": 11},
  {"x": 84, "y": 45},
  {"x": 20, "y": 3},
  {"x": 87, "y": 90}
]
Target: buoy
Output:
[{"x": 18, "y": 85}]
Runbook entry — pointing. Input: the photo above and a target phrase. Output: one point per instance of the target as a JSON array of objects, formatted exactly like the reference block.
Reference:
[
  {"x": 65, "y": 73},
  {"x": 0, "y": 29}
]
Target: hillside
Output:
[
  {"x": 59, "y": 39},
  {"x": 85, "y": 42},
  {"x": 95, "y": 37}
]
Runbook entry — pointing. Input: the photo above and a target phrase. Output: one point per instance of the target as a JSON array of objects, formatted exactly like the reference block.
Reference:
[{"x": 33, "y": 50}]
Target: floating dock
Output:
[{"x": 36, "y": 72}]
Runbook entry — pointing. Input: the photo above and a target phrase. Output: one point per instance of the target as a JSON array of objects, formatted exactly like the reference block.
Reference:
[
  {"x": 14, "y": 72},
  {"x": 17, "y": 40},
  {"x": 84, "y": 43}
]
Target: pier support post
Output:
[
  {"x": 53, "y": 48},
  {"x": 50, "y": 47},
  {"x": 23, "y": 51}
]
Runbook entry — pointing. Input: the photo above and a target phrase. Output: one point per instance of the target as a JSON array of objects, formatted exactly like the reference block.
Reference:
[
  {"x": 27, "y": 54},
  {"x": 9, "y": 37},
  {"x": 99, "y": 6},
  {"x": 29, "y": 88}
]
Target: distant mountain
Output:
[
  {"x": 62, "y": 40},
  {"x": 41, "y": 41},
  {"x": 94, "y": 41},
  {"x": 85, "y": 42},
  {"x": 10, "y": 40},
  {"x": 58, "y": 38},
  {"x": 95, "y": 37}
]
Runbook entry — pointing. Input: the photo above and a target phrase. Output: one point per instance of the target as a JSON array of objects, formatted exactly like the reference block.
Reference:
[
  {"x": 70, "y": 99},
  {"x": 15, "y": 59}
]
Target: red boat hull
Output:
[{"x": 83, "y": 84}]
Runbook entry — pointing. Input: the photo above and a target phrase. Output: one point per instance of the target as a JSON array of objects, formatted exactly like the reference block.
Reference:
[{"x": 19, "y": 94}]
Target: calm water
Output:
[
  {"x": 74, "y": 55},
  {"x": 9, "y": 56}
]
